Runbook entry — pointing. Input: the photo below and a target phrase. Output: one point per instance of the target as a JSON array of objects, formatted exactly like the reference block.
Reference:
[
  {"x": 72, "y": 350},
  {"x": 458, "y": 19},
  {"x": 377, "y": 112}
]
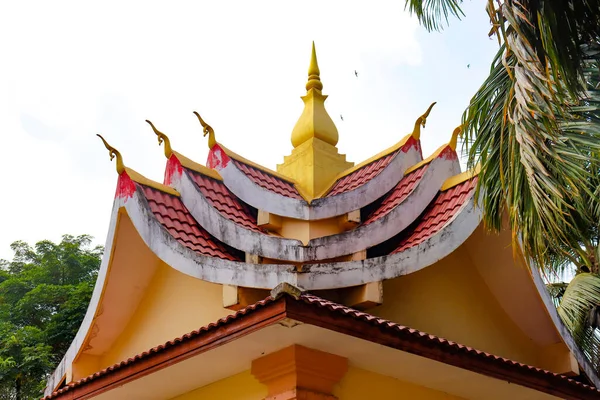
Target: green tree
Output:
[
  {"x": 534, "y": 128},
  {"x": 44, "y": 293}
]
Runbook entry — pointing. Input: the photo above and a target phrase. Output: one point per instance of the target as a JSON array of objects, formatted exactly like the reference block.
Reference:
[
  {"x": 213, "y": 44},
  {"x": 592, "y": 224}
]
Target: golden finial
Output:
[
  {"x": 421, "y": 121},
  {"x": 314, "y": 78},
  {"x": 162, "y": 138},
  {"x": 207, "y": 131},
  {"x": 454, "y": 139},
  {"x": 114, "y": 153}
]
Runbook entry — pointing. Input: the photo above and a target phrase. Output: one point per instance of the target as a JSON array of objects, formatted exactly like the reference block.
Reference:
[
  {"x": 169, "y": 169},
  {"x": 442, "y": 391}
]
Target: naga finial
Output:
[
  {"x": 162, "y": 138},
  {"x": 421, "y": 121},
  {"x": 454, "y": 140},
  {"x": 208, "y": 130},
  {"x": 114, "y": 153}
]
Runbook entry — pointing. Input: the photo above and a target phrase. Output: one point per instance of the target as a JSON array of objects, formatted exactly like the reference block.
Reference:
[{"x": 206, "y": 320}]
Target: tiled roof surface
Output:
[
  {"x": 341, "y": 311},
  {"x": 397, "y": 194},
  {"x": 175, "y": 217},
  {"x": 269, "y": 181},
  {"x": 361, "y": 176},
  {"x": 439, "y": 211},
  {"x": 225, "y": 202}
]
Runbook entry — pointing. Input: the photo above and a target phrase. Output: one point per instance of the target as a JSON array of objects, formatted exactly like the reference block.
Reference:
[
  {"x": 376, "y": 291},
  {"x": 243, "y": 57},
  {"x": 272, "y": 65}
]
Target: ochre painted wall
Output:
[
  {"x": 238, "y": 387},
  {"x": 451, "y": 300},
  {"x": 359, "y": 384},
  {"x": 174, "y": 304}
]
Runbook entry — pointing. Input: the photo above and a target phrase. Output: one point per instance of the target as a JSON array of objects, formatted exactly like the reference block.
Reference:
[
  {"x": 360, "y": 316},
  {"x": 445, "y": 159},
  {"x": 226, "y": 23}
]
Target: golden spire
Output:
[
  {"x": 421, "y": 121},
  {"x": 314, "y": 75},
  {"x": 207, "y": 131},
  {"x": 314, "y": 121},
  {"x": 454, "y": 139},
  {"x": 162, "y": 138},
  {"x": 114, "y": 153}
]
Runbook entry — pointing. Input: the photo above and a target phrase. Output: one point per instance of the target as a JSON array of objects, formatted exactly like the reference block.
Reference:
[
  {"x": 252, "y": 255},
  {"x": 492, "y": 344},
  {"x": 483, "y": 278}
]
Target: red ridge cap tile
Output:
[
  {"x": 268, "y": 181},
  {"x": 441, "y": 210},
  {"x": 175, "y": 217}
]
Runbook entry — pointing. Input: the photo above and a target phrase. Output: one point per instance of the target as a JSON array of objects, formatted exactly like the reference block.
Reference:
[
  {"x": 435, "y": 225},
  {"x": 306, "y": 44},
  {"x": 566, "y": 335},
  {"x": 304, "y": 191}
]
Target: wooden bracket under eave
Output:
[
  {"x": 350, "y": 220},
  {"x": 268, "y": 221},
  {"x": 236, "y": 297}
]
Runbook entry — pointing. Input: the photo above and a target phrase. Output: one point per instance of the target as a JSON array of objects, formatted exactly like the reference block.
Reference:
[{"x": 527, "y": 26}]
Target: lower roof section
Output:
[{"x": 368, "y": 342}]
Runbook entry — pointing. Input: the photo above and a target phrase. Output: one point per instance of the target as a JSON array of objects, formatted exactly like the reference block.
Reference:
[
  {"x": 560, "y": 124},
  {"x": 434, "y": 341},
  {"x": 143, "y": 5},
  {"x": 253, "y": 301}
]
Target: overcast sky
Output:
[{"x": 70, "y": 70}]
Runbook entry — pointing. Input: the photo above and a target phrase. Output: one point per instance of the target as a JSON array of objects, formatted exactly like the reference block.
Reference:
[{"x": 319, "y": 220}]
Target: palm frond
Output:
[
  {"x": 433, "y": 14},
  {"x": 578, "y": 310}
]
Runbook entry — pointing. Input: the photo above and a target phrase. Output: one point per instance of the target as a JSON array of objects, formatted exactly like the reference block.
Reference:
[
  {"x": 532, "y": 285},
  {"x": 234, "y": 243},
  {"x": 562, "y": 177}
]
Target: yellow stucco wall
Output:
[
  {"x": 357, "y": 384},
  {"x": 238, "y": 387},
  {"x": 174, "y": 304},
  {"x": 451, "y": 300}
]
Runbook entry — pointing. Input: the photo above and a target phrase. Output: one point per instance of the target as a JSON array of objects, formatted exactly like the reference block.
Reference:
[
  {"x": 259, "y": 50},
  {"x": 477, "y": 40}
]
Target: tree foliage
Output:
[
  {"x": 44, "y": 293},
  {"x": 534, "y": 128}
]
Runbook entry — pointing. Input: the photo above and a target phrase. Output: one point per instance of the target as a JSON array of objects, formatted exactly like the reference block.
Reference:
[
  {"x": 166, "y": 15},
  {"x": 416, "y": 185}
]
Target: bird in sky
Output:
[
  {"x": 342, "y": 118},
  {"x": 356, "y": 73},
  {"x": 468, "y": 65}
]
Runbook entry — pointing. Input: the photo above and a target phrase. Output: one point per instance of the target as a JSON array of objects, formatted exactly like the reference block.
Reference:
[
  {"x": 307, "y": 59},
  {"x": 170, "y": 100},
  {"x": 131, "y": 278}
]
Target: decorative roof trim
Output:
[
  {"x": 460, "y": 178},
  {"x": 241, "y": 159},
  {"x": 194, "y": 166},
  {"x": 429, "y": 159},
  {"x": 310, "y": 309},
  {"x": 142, "y": 180}
]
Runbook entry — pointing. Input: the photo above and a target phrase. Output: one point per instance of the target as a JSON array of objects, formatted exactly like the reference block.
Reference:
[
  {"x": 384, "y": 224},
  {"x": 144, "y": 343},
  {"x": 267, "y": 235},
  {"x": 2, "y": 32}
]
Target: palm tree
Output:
[{"x": 534, "y": 128}]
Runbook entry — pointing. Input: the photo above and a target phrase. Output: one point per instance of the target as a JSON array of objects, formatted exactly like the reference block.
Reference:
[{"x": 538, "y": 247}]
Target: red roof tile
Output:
[
  {"x": 443, "y": 207},
  {"x": 397, "y": 194},
  {"x": 175, "y": 217},
  {"x": 408, "y": 335},
  {"x": 361, "y": 175},
  {"x": 228, "y": 204},
  {"x": 269, "y": 181},
  {"x": 366, "y": 173}
]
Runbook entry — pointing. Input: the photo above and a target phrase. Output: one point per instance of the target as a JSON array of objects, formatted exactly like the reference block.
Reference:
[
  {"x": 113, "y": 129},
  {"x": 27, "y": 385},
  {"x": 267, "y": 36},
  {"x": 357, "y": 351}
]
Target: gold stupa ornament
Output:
[
  {"x": 314, "y": 122},
  {"x": 315, "y": 160}
]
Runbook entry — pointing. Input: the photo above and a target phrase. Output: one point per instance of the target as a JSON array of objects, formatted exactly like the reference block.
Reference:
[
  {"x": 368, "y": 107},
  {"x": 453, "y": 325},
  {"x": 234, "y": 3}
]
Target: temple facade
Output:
[{"x": 321, "y": 280}]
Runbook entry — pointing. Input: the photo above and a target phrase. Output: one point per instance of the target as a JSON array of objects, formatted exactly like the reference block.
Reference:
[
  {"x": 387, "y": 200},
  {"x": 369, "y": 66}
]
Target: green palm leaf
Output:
[{"x": 579, "y": 310}]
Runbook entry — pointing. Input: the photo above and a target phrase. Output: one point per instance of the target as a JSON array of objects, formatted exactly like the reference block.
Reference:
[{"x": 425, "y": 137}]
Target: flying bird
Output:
[
  {"x": 342, "y": 118},
  {"x": 468, "y": 65},
  {"x": 356, "y": 73}
]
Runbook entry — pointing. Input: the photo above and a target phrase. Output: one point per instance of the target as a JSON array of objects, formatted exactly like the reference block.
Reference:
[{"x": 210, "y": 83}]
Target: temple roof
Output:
[
  {"x": 310, "y": 309},
  {"x": 319, "y": 222}
]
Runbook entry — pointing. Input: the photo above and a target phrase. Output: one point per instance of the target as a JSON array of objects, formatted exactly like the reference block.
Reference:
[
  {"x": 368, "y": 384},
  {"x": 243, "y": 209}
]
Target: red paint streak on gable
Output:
[
  {"x": 217, "y": 159},
  {"x": 173, "y": 169},
  {"x": 125, "y": 187},
  {"x": 412, "y": 143},
  {"x": 448, "y": 154}
]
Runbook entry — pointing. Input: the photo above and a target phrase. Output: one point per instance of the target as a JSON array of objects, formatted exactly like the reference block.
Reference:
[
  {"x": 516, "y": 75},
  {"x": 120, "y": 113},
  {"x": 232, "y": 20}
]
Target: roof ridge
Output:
[{"x": 142, "y": 180}]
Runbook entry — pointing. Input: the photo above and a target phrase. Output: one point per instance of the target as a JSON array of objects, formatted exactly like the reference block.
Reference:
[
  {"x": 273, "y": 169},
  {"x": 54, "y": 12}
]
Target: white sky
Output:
[{"x": 69, "y": 70}]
